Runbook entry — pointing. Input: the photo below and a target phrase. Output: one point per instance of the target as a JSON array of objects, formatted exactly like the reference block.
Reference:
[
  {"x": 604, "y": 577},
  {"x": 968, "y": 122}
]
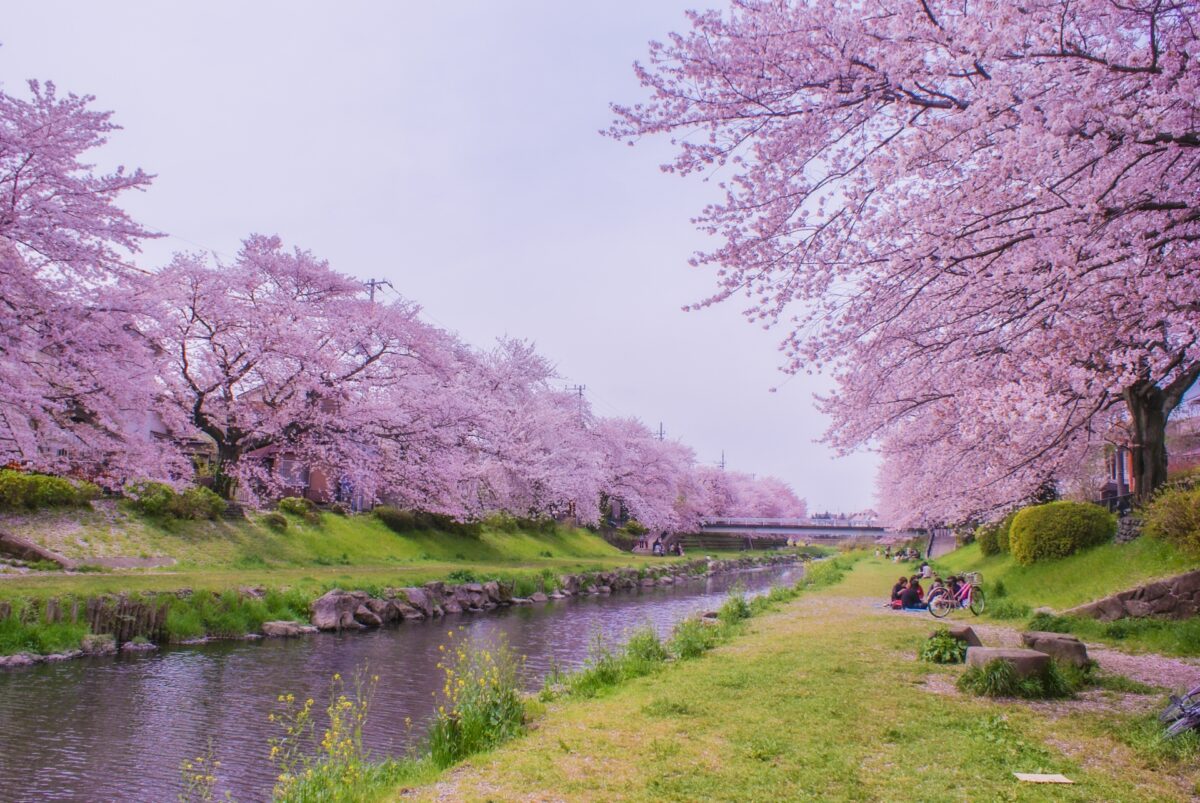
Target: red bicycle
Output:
[{"x": 969, "y": 596}]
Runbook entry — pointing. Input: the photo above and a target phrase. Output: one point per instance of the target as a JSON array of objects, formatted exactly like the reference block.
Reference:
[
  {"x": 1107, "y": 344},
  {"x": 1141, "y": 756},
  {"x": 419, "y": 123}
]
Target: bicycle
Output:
[
  {"x": 969, "y": 595},
  {"x": 1182, "y": 713}
]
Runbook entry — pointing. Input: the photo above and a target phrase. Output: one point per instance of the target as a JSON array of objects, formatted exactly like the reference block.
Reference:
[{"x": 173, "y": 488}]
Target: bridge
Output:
[{"x": 727, "y": 533}]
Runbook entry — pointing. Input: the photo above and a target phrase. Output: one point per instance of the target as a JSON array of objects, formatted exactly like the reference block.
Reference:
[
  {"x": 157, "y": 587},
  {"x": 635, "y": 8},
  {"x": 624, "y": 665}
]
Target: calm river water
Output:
[{"x": 116, "y": 729}]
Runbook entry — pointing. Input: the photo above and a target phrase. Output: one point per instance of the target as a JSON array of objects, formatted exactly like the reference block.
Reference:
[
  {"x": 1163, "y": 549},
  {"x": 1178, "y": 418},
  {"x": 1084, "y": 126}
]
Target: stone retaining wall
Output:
[{"x": 1175, "y": 598}]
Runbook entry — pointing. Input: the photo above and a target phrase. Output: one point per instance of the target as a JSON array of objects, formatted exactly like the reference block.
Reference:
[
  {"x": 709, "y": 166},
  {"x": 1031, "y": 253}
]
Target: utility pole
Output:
[
  {"x": 722, "y": 463},
  {"x": 371, "y": 284},
  {"x": 661, "y": 433},
  {"x": 579, "y": 389}
]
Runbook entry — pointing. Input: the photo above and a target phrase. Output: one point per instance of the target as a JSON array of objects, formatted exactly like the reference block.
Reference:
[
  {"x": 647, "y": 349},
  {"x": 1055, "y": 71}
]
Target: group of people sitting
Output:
[{"x": 908, "y": 595}]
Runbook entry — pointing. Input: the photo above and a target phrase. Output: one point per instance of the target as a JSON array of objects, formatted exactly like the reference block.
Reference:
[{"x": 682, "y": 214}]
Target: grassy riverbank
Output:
[
  {"x": 821, "y": 700},
  {"x": 1078, "y": 579},
  {"x": 217, "y": 561}
]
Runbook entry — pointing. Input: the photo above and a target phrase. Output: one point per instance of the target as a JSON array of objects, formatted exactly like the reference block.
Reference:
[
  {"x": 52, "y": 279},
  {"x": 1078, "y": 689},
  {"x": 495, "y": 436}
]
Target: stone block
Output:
[
  {"x": 1062, "y": 646},
  {"x": 963, "y": 633},
  {"x": 1026, "y": 663}
]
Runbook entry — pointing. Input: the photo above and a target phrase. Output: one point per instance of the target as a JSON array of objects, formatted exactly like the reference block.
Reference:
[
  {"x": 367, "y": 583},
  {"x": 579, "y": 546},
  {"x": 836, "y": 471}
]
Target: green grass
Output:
[
  {"x": 1067, "y": 582},
  {"x": 823, "y": 700},
  {"x": 1081, "y": 578}
]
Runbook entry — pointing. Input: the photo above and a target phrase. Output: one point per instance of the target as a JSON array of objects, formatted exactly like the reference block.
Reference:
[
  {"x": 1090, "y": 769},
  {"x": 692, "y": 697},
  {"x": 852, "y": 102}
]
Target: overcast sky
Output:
[{"x": 450, "y": 148}]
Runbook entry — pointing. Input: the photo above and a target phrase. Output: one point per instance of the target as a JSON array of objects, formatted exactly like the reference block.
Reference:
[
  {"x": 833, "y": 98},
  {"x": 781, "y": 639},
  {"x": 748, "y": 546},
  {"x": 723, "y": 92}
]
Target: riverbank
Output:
[
  {"x": 824, "y": 700},
  {"x": 61, "y": 628}
]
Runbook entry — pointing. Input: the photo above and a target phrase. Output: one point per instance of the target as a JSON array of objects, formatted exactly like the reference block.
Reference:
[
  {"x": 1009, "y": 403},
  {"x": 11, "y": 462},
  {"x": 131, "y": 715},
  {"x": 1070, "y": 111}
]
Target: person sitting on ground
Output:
[
  {"x": 926, "y": 571},
  {"x": 912, "y": 598},
  {"x": 901, "y": 584}
]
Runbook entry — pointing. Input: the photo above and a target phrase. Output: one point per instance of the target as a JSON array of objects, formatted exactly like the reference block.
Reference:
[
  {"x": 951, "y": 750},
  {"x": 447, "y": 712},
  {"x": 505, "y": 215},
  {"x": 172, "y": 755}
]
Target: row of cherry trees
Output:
[
  {"x": 116, "y": 371},
  {"x": 983, "y": 219}
]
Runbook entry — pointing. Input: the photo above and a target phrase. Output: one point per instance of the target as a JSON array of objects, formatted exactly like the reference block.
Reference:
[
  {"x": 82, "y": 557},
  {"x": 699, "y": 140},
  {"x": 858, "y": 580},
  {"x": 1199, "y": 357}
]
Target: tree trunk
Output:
[
  {"x": 224, "y": 483},
  {"x": 1148, "y": 411}
]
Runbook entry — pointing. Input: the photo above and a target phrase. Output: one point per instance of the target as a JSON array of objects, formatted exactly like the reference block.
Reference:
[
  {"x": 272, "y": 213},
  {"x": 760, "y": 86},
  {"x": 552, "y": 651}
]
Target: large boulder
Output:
[
  {"x": 367, "y": 617},
  {"x": 336, "y": 609},
  {"x": 1027, "y": 663},
  {"x": 419, "y": 599},
  {"x": 283, "y": 629},
  {"x": 1062, "y": 646},
  {"x": 538, "y": 596}
]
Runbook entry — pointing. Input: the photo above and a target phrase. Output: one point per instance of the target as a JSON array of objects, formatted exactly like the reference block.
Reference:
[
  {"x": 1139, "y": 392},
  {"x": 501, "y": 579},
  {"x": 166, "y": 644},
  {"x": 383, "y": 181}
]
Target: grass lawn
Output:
[
  {"x": 1089, "y": 575},
  {"x": 1072, "y": 581},
  {"x": 823, "y": 700}
]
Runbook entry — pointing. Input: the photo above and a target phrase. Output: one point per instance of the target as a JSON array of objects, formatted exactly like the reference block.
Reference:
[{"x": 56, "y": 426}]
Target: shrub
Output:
[
  {"x": 276, "y": 521},
  {"x": 1004, "y": 533},
  {"x": 635, "y": 528},
  {"x": 999, "y": 679},
  {"x": 150, "y": 498},
  {"x": 196, "y": 503},
  {"x": 1174, "y": 516},
  {"x": 1059, "y": 529},
  {"x": 986, "y": 536},
  {"x": 298, "y": 506},
  {"x": 943, "y": 648},
  {"x": 19, "y": 490},
  {"x": 408, "y": 521}
]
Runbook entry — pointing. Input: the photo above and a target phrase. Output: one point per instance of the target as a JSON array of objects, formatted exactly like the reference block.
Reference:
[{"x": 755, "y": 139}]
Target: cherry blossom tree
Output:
[
  {"x": 535, "y": 454},
  {"x": 937, "y": 199},
  {"x": 280, "y": 355},
  {"x": 75, "y": 383}
]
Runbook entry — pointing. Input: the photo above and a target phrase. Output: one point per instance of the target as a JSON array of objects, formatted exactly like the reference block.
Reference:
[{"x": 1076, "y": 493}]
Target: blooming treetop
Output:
[
  {"x": 73, "y": 372},
  {"x": 938, "y": 198}
]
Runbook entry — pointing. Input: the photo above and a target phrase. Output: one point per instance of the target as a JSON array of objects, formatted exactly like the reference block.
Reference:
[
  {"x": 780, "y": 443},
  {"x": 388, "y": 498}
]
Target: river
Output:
[{"x": 116, "y": 729}]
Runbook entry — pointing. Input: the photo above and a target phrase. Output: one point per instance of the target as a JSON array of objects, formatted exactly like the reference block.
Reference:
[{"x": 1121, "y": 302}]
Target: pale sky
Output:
[{"x": 452, "y": 149}]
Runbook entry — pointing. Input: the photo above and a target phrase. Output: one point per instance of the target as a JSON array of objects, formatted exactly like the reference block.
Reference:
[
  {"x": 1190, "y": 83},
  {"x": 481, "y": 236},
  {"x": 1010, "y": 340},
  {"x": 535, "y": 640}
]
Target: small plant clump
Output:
[
  {"x": 481, "y": 701},
  {"x": 337, "y": 766},
  {"x": 943, "y": 648},
  {"x": 300, "y": 507},
  {"x": 999, "y": 679},
  {"x": 276, "y": 521}
]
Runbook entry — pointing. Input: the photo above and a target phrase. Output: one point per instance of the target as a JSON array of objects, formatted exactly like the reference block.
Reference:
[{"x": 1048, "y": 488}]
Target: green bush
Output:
[
  {"x": 1059, "y": 529},
  {"x": 197, "y": 503},
  {"x": 19, "y": 490},
  {"x": 298, "y": 506},
  {"x": 276, "y": 521},
  {"x": 943, "y": 648},
  {"x": 160, "y": 500},
  {"x": 1174, "y": 516},
  {"x": 1004, "y": 532},
  {"x": 150, "y": 498},
  {"x": 986, "y": 536},
  {"x": 408, "y": 521},
  {"x": 735, "y": 608},
  {"x": 635, "y": 528}
]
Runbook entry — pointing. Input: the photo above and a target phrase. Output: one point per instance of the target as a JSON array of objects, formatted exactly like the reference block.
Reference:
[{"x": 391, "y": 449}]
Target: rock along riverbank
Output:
[{"x": 128, "y": 624}]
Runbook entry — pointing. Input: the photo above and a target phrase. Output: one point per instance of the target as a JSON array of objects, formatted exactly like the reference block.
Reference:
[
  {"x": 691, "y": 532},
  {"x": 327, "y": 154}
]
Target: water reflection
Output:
[{"x": 117, "y": 728}]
